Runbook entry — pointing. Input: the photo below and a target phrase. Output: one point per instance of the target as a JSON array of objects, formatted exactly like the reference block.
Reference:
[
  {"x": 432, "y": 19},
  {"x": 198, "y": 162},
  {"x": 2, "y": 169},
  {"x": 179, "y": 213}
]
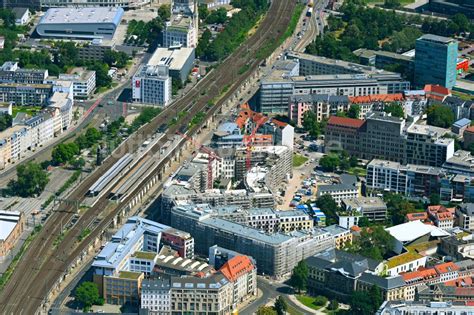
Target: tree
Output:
[
  {"x": 87, "y": 294},
  {"x": 92, "y": 136},
  {"x": 462, "y": 22},
  {"x": 361, "y": 304},
  {"x": 328, "y": 205},
  {"x": 266, "y": 310},
  {"x": 218, "y": 16},
  {"x": 440, "y": 115},
  {"x": 374, "y": 242},
  {"x": 397, "y": 207},
  {"x": 320, "y": 300},
  {"x": 64, "y": 152},
  {"x": 363, "y": 222},
  {"x": 329, "y": 162},
  {"x": 392, "y": 4},
  {"x": 164, "y": 12},
  {"x": 354, "y": 111},
  {"x": 78, "y": 163},
  {"x": 31, "y": 180},
  {"x": 5, "y": 121},
  {"x": 333, "y": 305},
  {"x": 435, "y": 199},
  {"x": 299, "y": 277},
  {"x": 203, "y": 11},
  {"x": 102, "y": 77},
  {"x": 281, "y": 306},
  {"x": 396, "y": 110}
]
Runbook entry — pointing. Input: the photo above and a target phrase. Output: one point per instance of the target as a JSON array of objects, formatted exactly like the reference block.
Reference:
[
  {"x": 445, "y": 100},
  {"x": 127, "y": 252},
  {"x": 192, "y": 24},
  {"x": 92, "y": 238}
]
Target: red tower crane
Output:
[
  {"x": 249, "y": 141},
  {"x": 212, "y": 156}
]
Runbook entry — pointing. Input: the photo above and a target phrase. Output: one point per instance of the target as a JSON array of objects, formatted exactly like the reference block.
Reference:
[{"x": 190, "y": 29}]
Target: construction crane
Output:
[
  {"x": 251, "y": 139},
  {"x": 211, "y": 157}
]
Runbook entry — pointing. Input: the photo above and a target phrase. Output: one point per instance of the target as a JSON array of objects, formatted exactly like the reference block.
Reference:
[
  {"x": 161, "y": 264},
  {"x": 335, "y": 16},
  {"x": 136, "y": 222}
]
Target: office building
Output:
[
  {"x": 306, "y": 74},
  {"x": 338, "y": 273},
  {"x": 465, "y": 216},
  {"x": 180, "y": 61},
  {"x": 371, "y": 207},
  {"x": 81, "y": 23},
  {"x": 22, "y": 15},
  {"x": 121, "y": 266},
  {"x": 83, "y": 84},
  {"x": 409, "y": 180},
  {"x": 435, "y": 60},
  {"x": 460, "y": 163},
  {"x": 452, "y": 7},
  {"x": 152, "y": 84},
  {"x": 382, "y": 136},
  {"x": 12, "y": 224},
  {"x": 181, "y": 31},
  {"x": 346, "y": 187},
  {"x": 382, "y": 59},
  {"x": 468, "y": 136},
  {"x": 129, "y": 4}
]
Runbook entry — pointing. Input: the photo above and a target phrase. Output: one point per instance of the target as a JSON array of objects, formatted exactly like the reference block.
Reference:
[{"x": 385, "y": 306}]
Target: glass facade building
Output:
[{"x": 435, "y": 60}]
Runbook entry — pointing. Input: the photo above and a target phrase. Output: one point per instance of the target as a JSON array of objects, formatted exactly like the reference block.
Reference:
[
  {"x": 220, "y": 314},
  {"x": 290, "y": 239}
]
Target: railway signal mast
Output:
[{"x": 211, "y": 157}]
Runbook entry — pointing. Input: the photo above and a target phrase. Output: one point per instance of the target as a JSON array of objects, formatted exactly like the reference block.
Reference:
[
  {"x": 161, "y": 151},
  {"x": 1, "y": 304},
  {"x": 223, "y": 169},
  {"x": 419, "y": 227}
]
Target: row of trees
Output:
[
  {"x": 234, "y": 33},
  {"x": 374, "y": 28},
  {"x": 65, "y": 153}
]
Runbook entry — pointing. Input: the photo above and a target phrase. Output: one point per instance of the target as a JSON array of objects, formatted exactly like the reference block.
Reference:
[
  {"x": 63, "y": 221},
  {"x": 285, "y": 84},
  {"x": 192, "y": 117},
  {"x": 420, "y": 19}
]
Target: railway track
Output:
[{"x": 47, "y": 258}]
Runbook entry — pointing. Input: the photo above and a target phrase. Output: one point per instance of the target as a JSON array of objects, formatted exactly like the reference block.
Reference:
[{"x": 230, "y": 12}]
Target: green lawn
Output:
[
  {"x": 308, "y": 301},
  {"x": 29, "y": 110},
  {"x": 358, "y": 171},
  {"x": 299, "y": 159}
]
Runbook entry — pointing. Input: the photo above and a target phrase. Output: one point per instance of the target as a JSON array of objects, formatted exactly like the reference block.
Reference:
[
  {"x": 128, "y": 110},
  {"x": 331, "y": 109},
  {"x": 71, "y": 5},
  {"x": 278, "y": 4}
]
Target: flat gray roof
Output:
[
  {"x": 175, "y": 59},
  {"x": 437, "y": 38},
  {"x": 82, "y": 15}
]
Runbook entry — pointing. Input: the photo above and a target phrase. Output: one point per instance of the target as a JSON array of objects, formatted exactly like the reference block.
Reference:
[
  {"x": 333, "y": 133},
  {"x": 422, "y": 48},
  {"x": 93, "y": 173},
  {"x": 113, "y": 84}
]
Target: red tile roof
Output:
[
  {"x": 345, "y": 122},
  {"x": 446, "y": 267},
  {"x": 419, "y": 274},
  {"x": 469, "y": 129},
  {"x": 436, "y": 92},
  {"x": 414, "y": 216},
  {"x": 236, "y": 267},
  {"x": 376, "y": 98}
]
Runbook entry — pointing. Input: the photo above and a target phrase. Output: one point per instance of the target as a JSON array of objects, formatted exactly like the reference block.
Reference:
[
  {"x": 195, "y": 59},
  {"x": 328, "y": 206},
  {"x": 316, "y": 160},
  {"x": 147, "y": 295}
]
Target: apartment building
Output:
[
  {"x": 342, "y": 236},
  {"x": 275, "y": 253},
  {"x": 441, "y": 216},
  {"x": 242, "y": 273},
  {"x": 21, "y": 94},
  {"x": 323, "y": 106},
  {"x": 460, "y": 163},
  {"x": 10, "y": 72},
  {"x": 156, "y": 296}
]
